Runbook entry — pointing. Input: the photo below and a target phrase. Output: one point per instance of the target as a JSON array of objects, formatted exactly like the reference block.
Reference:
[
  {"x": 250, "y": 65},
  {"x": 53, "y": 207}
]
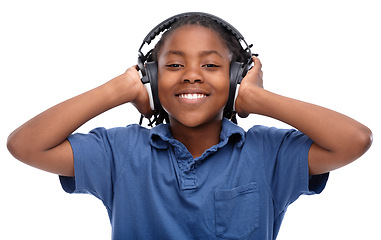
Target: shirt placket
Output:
[{"x": 185, "y": 167}]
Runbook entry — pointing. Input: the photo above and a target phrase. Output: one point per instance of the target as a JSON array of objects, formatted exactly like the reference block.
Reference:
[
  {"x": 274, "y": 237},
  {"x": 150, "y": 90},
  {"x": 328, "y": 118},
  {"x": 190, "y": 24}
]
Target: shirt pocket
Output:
[{"x": 237, "y": 211}]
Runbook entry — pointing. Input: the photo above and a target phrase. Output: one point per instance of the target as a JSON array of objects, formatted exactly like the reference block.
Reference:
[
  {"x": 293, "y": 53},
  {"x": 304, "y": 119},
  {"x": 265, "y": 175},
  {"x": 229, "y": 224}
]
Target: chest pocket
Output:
[{"x": 237, "y": 211}]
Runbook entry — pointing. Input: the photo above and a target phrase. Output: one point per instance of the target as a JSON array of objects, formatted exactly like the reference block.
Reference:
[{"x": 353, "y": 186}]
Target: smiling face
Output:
[{"x": 193, "y": 76}]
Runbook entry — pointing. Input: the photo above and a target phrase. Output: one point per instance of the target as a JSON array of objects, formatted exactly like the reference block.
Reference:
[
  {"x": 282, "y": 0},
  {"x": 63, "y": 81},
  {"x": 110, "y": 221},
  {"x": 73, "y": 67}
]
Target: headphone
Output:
[{"x": 149, "y": 70}]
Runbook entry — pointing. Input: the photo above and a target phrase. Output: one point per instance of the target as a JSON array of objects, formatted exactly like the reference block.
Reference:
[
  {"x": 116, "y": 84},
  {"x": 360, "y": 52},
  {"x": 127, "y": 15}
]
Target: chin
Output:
[{"x": 192, "y": 121}]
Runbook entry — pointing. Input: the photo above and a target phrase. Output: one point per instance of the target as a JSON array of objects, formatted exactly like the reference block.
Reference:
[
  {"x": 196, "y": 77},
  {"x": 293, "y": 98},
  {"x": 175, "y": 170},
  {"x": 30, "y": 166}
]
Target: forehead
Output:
[{"x": 192, "y": 38}]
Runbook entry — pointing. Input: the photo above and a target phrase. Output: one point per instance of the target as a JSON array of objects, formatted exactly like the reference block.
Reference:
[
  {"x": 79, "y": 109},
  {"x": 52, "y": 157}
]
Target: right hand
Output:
[{"x": 140, "y": 96}]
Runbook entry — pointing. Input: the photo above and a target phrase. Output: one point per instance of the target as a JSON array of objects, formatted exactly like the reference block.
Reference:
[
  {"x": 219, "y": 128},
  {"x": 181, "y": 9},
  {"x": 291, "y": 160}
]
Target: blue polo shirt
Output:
[{"x": 153, "y": 188}]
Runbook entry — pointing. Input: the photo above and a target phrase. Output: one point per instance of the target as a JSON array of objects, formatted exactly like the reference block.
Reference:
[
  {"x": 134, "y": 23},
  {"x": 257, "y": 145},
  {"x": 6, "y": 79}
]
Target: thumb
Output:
[{"x": 255, "y": 74}]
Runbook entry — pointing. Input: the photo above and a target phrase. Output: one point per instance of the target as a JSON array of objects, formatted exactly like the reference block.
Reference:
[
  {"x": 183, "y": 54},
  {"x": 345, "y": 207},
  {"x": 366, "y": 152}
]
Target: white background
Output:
[{"x": 326, "y": 52}]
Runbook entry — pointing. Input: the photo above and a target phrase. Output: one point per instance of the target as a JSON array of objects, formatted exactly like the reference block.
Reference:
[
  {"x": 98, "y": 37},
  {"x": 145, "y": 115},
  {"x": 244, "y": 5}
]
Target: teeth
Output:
[{"x": 192, "y": 95}]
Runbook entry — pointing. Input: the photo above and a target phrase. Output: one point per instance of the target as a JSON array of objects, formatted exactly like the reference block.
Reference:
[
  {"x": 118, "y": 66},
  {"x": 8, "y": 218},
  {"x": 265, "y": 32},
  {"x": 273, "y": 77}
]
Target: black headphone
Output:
[{"x": 149, "y": 70}]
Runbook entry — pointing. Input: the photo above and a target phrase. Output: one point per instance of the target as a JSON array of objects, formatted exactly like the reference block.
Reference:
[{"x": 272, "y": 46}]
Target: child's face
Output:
[{"x": 193, "y": 75}]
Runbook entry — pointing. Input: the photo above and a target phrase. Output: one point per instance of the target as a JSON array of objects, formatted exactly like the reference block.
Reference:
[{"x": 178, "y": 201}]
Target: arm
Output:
[
  {"x": 338, "y": 139},
  {"x": 41, "y": 142}
]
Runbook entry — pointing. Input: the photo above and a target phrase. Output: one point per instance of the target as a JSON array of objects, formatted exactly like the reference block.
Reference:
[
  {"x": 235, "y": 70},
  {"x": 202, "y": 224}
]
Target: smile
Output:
[{"x": 192, "y": 96}]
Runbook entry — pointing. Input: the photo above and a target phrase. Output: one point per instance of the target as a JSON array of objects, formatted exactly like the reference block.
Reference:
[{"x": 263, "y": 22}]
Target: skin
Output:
[{"x": 190, "y": 64}]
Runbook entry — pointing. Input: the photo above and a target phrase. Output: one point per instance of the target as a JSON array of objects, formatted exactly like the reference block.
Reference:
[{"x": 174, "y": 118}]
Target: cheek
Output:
[
  {"x": 222, "y": 86},
  {"x": 164, "y": 86}
]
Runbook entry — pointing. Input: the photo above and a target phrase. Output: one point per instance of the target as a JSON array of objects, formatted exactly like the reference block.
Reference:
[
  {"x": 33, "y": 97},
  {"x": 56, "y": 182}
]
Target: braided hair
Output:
[{"x": 234, "y": 46}]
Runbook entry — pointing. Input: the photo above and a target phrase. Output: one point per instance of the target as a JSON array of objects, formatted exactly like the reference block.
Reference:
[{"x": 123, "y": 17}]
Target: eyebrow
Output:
[
  {"x": 202, "y": 54},
  {"x": 210, "y": 52},
  {"x": 174, "y": 52}
]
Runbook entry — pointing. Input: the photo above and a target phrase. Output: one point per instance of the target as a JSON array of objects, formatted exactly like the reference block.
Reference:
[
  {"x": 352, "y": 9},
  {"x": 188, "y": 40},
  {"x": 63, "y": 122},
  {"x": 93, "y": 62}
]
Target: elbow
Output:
[
  {"x": 361, "y": 142},
  {"x": 17, "y": 147},
  {"x": 366, "y": 139},
  {"x": 12, "y": 145},
  {"x": 357, "y": 145}
]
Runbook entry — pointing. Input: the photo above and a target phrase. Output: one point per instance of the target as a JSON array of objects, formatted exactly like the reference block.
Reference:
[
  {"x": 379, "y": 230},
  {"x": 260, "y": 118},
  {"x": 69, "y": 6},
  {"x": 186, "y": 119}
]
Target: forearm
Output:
[
  {"x": 54, "y": 125},
  {"x": 324, "y": 126},
  {"x": 338, "y": 139}
]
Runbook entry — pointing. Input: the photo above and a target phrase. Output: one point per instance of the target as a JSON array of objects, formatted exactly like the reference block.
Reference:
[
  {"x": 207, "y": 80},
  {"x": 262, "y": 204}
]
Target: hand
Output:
[
  {"x": 252, "y": 81},
  {"x": 140, "y": 97}
]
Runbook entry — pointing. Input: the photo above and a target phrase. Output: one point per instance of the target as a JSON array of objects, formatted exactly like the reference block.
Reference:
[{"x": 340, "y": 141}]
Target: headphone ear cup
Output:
[
  {"x": 236, "y": 72},
  {"x": 152, "y": 75}
]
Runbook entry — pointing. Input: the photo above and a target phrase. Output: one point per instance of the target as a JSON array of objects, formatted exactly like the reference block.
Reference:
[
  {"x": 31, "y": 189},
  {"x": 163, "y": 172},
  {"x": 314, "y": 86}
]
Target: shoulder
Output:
[
  {"x": 129, "y": 131},
  {"x": 271, "y": 133},
  {"x": 110, "y": 137},
  {"x": 272, "y": 138}
]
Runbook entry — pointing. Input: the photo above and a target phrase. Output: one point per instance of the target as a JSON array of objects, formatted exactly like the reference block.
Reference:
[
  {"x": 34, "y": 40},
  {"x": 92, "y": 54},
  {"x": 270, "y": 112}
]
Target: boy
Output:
[{"x": 199, "y": 176}]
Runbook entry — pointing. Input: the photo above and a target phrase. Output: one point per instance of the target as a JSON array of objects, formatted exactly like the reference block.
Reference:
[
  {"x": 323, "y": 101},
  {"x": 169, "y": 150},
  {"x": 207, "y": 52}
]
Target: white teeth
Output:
[{"x": 192, "y": 95}]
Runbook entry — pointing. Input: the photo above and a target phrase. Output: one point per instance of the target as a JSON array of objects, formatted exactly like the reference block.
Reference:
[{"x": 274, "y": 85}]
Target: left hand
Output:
[{"x": 253, "y": 80}]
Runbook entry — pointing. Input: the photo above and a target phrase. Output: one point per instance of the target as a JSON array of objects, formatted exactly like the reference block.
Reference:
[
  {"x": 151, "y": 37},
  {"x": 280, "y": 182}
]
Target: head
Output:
[{"x": 229, "y": 47}]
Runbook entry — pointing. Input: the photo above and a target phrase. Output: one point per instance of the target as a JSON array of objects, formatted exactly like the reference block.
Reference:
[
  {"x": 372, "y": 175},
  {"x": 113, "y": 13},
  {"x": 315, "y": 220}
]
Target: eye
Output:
[
  {"x": 174, "y": 65},
  {"x": 210, "y": 65}
]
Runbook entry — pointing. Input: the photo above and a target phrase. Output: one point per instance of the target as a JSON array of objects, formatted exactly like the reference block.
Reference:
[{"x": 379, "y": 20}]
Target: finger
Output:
[{"x": 257, "y": 63}]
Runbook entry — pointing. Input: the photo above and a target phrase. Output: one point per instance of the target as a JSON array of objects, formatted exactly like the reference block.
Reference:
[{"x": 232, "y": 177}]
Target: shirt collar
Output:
[{"x": 160, "y": 136}]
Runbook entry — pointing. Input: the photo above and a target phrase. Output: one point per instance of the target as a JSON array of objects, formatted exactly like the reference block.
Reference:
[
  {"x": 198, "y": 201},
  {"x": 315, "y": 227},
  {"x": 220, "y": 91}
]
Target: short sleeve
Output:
[
  {"x": 286, "y": 166},
  {"x": 93, "y": 166}
]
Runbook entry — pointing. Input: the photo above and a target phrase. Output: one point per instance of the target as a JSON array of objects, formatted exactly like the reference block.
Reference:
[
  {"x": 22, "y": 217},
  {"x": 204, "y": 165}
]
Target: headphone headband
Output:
[{"x": 166, "y": 24}]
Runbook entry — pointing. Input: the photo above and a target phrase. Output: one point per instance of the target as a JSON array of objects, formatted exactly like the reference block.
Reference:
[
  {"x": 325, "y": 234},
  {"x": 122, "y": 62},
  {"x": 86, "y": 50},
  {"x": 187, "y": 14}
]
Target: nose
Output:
[
  {"x": 193, "y": 75},
  {"x": 192, "y": 81}
]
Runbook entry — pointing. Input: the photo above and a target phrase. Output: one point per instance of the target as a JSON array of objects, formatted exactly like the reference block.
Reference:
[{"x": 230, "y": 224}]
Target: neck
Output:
[{"x": 197, "y": 139}]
